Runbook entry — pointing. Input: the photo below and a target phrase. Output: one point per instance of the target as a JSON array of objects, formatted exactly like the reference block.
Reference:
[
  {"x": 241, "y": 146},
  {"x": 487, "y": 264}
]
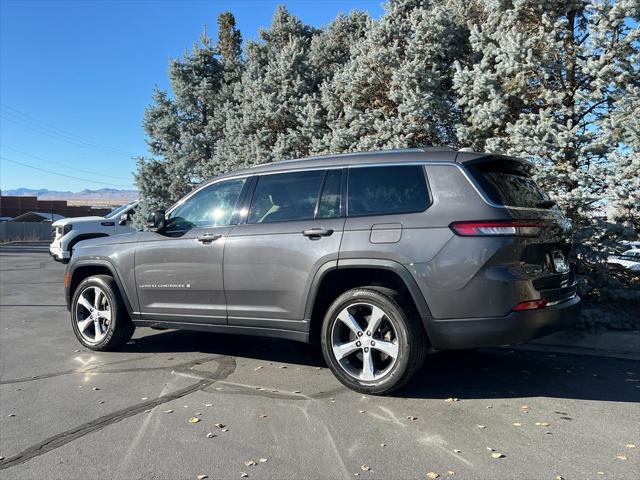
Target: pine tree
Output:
[
  {"x": 395, "y": 90},
  {"x": 546, "y": 78}
]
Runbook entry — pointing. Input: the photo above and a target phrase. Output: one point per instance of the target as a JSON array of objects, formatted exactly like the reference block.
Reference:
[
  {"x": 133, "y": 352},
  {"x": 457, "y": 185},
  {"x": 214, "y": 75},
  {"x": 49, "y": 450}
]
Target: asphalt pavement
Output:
[{"x": 176, "y": 404}]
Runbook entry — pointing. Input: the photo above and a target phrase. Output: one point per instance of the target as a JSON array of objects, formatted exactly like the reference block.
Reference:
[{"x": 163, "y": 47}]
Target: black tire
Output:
[
  {"x": 409, "y": 339},
  {"x": 119, "y": 329}
]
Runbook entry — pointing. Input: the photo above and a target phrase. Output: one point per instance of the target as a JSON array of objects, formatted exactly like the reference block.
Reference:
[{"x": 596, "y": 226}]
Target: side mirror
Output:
[
  {"x": 155, "y": 220},
  {"x": 124, "y": 218}
]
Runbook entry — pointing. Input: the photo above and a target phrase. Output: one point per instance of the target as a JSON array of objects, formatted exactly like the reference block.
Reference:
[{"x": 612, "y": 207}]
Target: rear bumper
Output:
[{"x": 517, "y": 327}]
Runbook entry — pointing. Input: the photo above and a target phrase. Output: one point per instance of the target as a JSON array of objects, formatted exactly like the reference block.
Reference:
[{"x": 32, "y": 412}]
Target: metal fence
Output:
[{"x": 26, "y": 231}]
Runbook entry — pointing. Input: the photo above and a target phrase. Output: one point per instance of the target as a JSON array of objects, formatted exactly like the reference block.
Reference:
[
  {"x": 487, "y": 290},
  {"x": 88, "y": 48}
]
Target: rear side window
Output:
[
  {"x": 509, "y": 183},
  {"x": 387, "y": 190},
  {"x": 286, "y": 196}
]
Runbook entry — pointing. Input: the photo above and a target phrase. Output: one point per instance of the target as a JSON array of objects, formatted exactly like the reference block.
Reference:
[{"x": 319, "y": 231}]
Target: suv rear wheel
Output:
[
  {"x": 371, "y": 343},
  {"x": 98, "y": 315}
]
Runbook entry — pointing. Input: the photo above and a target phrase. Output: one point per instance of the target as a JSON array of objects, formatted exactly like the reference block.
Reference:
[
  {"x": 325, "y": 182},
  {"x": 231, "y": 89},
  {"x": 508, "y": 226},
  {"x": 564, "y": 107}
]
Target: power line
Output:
[
  {"x": 47, "y": 126},
  {"x": 58, "y": 137},
  {"x": 62, "y": 164},
  {"x": 62, "y": 174}
]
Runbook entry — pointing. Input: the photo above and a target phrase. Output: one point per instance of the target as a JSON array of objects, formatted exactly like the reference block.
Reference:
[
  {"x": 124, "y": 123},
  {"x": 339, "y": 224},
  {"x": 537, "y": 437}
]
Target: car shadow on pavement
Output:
[{"x": 474, "y": 374}]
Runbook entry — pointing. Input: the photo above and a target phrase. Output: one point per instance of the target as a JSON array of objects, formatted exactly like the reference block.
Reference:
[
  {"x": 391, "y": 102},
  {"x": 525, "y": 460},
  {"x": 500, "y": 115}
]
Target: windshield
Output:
[{"x": 118, "y": 211}]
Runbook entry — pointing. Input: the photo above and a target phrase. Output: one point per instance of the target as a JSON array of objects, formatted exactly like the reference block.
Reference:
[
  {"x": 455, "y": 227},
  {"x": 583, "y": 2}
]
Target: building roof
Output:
[{"x": 37, "y": 217}]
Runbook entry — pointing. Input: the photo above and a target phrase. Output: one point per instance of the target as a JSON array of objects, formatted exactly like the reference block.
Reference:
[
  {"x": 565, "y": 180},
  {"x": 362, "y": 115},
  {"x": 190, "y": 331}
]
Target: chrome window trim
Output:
[{"x": 247, "y": 175}]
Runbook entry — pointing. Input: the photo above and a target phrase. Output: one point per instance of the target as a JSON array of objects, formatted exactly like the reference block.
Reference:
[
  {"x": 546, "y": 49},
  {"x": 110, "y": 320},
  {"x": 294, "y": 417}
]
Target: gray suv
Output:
[{"x": 381, "y": 256}]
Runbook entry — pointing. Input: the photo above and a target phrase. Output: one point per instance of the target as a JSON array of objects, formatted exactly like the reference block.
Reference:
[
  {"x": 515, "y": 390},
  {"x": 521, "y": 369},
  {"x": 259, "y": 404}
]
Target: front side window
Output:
[
  {"x": 209, "y": 207},
  {"x": 285, "y": 197},
  {"x": 387, "y": 190}
]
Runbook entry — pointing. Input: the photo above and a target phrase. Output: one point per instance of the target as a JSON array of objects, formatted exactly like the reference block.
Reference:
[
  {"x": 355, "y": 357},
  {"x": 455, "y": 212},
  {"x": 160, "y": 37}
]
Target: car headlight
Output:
[{"x": 67, "y": 228}]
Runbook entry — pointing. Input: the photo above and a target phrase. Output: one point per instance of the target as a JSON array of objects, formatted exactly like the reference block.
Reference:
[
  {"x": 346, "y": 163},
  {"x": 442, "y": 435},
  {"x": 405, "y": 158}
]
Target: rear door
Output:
[
  {"x": 179, "y": 268},
  {"x": 293, "y": 226}
]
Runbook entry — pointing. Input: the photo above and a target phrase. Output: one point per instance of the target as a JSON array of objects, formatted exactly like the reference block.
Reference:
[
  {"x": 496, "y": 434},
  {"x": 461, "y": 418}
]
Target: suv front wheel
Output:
[
  {"x": 98, "y": 315},
  {"x": 371, "y": 343}
]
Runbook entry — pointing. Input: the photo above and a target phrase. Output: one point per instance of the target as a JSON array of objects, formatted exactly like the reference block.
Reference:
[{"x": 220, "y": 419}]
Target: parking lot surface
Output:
[{"x": 176, "y": 404}]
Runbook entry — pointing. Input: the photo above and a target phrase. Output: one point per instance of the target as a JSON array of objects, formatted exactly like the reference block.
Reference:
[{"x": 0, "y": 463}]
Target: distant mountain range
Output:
[{"x": 103, "y": 195}]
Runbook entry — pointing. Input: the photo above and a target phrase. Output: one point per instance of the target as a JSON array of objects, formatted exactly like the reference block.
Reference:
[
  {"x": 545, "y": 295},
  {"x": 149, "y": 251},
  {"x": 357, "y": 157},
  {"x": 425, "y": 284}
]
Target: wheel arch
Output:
[
  {"x": 334, "y": 278},
  {"x": 87, "y": 268},
  {"x": 84, "y": 236}
]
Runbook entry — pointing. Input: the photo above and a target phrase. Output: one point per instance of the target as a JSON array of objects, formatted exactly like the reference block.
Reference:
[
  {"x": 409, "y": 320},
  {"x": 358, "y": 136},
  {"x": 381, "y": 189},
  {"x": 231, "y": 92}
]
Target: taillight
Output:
[
  {"x": 506, "y": 228},
  {"x": 531, "y": 305}
]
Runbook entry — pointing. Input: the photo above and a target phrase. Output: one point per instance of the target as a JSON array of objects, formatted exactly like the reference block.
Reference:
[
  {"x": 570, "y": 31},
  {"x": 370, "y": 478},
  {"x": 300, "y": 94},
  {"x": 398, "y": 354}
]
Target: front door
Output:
[
  {"x": 179, "y": 268},
  {"x": 294, "y": 226}
]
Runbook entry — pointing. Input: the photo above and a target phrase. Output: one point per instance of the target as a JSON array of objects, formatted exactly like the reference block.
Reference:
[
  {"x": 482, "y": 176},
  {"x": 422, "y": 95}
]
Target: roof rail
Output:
[{"x": 355, "y": 154}]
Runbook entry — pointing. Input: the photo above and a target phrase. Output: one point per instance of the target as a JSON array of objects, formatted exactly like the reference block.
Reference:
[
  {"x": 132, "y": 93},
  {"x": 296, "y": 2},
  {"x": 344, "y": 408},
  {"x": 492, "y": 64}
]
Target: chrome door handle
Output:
[
  {"x": 317, "y": 232},
  {"x": 208, "y": 237}
]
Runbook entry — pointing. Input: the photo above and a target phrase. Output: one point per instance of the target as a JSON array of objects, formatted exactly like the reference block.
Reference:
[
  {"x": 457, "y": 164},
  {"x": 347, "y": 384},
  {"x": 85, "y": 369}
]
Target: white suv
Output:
[{"x": 69, "y": 231}]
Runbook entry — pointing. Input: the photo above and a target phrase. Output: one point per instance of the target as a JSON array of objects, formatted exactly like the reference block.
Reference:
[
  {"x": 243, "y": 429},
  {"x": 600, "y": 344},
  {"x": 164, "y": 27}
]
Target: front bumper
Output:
[
  {"x": 58, "y": 254},
  {"x": 516, "y": 327}
]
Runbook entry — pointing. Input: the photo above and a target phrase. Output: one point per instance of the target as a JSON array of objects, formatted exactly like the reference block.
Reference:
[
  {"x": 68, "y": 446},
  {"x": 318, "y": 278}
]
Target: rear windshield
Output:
[{"x": 509, "y": 183}]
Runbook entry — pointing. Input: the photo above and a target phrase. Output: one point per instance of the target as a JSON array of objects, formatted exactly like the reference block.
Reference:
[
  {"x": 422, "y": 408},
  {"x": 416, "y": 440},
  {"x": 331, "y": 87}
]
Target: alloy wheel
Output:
[
  {"x": 93, "y": 314},
  {"x": 364, "y": 341}
]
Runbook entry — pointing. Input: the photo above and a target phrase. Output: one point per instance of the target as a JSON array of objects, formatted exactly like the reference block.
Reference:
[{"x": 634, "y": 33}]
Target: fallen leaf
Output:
[
  {"x": 457, "y": 451},
  {"x": 263, "y": 460},
  {"x": 95, "y": 388},
  {"x": 543, "y": 424},
  {"x": 244, "y": 475},
  {"x": 383, "y": 444},
  {"x": 296, "y": 391},
  {"x": 600, "y": 473},
  {"x": 432, "y": 475},
  {"x": 263, "y": 416},
  {"x": 219, "y": 425},
  {"x": 225, "y": 429},
  {"x": 168, "y": 411},
  {"x": 259, "y": 367},
  {"x": 489, "y": 406},
  {"x": 451, "y": 399},
  {"x": 450, "y": 472},
  {"x": 282, "y": 366},
  {"x": 201, "y": 477},
  {"x": 194, "y": 420},
  {"x": 362, "y": 411},
  {"x": 210, "y": 435},
  {"x": 365, "y": 467},
  {"x": 630, "y": 445},
  {"x": 497, "y": 455},
  {"x": 250, "y": 463},
  {"x": 411, "y": 417},
  {"x": 524, "y": 407},
  {"x": 621, "y": 457},
  {"x": 559, "y": 477},
  {"x": 144, "y": 398},
  {"x": 490, "y": 449},
  {"x": 481, "y": 426},
  {"x": 517, "y": 424},
  {"x": 208, "y": 404},
  {"x": 147, "y": 411}
]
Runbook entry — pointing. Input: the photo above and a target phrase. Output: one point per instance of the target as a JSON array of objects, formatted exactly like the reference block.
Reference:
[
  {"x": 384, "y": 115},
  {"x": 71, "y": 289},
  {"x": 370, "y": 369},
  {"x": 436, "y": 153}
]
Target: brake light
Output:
[
  {"x": 498, "y": 228},
  {"x": 531, "y": 305}
]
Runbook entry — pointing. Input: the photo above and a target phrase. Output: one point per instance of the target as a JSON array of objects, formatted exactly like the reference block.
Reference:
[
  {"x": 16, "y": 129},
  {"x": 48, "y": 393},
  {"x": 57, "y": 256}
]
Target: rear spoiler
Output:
[{"x": 472, "y": 158}]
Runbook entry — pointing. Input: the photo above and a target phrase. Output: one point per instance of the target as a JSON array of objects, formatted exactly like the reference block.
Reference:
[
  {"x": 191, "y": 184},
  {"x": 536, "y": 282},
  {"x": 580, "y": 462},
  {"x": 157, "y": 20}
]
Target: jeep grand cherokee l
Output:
[{"x": 381, "y": 256}]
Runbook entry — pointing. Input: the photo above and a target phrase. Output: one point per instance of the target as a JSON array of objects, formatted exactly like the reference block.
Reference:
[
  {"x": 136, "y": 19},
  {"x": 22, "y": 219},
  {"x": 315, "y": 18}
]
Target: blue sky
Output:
[{"x": 75, "y": 77}]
